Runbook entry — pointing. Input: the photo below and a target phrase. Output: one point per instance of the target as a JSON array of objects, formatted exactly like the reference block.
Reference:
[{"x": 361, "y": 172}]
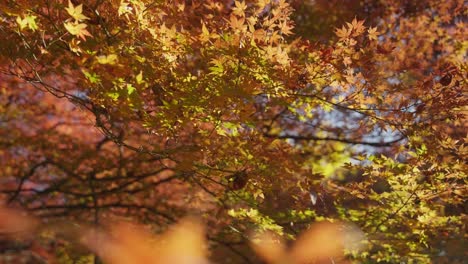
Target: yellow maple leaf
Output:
[
  {"x": 239, "y": 8},
  {"x": 285, "y": 28},
  {"x": 372, "y": 33},
  {"x": 76, "y": 11},
  {"x": 77, "y": 29},
  {"x": 205, "y": 35},
  {"x": 109, "y": 59},
  {"x": 237, "y": 24},
  {"x": 28, "y": 22}
]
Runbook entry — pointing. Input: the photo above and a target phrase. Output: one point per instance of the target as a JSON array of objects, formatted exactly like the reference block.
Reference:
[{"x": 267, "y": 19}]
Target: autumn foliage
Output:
[{"x": 137, "y": 131}]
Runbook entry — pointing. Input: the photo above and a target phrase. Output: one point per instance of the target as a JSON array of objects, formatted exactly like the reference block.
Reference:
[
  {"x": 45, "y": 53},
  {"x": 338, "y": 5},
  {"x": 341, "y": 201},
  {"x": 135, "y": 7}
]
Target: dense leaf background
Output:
[{"x": 254, "y": 116}]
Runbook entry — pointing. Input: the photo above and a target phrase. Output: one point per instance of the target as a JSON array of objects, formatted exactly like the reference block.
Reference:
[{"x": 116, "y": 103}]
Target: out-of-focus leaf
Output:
[
  {"x": 15, "y": 223},
  {"x": 269, "y": 247},
  {"x": 322, "y": 243},
  {"x": 184, "y": 243}
]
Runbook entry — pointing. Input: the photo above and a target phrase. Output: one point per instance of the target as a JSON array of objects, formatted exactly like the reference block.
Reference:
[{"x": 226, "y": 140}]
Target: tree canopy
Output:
[{"x": 254, "y": 115}]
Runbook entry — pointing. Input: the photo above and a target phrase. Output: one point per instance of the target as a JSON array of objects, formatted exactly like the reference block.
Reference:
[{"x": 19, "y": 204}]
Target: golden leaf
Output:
[
  {"x": 77, "y": 29},
  {"x": 76, "y": 11}
]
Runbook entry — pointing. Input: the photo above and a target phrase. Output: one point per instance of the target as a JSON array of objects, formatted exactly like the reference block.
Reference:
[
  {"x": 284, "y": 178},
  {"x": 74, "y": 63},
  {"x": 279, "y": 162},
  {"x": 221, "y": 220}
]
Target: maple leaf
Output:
[
  {"x": 74, "y": 46},
  {"x": 109, "y": 59},
  {"x": 29, "y": 21},
  {"x": 358, "y": 24},
  {"x": 321, "y": 242},
  {"x": 77, "y": 29},
  {"x": 347, "y": 61},
  {"x": 237, "y": 23},
  {"x": 76, "y": 11},
  {"x": 356, "y": 27},
  {"x": 205, "y": 35},
  {"x": 342, "y": 33},
  {"x": 285, "y": 28},
  {"x": 372, "y": 33},
  {"x": 239, "y": 8}
]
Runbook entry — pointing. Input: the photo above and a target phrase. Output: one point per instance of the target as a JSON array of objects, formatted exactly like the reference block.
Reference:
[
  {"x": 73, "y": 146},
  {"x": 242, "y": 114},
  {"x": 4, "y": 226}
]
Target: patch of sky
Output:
[{"x": 393, "y": 80}]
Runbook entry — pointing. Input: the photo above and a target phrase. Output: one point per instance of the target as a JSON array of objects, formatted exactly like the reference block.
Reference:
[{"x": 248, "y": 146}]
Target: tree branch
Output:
[{"x": 344, "y": 140}]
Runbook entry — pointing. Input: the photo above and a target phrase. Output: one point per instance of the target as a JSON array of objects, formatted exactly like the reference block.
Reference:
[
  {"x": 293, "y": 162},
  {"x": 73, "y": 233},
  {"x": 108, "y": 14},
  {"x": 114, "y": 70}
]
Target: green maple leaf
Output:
[{"x": 28, "y": 22}]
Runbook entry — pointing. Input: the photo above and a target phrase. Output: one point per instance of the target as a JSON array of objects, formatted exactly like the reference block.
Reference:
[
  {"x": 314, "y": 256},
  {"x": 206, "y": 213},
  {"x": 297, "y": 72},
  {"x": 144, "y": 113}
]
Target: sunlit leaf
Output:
[
  {"x": 77, "y": 29},
  {"x": 76, "y": 11}
]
